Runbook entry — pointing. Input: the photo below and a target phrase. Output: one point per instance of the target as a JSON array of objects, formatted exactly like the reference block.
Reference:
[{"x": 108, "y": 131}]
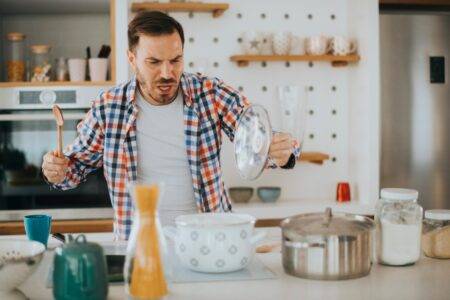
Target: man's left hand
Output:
[{"x": 281, "y": 148}]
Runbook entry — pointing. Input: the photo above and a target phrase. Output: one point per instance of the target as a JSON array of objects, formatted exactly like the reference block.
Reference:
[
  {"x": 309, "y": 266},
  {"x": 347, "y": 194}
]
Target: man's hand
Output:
[
  {"x": 281, "y": 148},
  {"x": 54, "y": 167}
]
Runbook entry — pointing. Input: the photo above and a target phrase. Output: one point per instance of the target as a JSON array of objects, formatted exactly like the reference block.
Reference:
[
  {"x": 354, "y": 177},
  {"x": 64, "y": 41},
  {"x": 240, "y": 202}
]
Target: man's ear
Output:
[{"x": 132, "y": 60}]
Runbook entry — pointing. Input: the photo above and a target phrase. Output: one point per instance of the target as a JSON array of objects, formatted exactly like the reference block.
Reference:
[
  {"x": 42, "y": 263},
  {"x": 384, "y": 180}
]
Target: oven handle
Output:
[{"x": 39, "y": 117}]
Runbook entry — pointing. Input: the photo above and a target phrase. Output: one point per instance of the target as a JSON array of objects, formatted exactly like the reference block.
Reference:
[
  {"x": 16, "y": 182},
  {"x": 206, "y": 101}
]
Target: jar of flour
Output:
[{"x": 399, "y": 227}]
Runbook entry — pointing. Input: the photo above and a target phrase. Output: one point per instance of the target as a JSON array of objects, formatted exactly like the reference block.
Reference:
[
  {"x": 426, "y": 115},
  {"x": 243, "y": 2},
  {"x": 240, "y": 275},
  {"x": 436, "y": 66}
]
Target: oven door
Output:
[{"x": 25, "y": 136}]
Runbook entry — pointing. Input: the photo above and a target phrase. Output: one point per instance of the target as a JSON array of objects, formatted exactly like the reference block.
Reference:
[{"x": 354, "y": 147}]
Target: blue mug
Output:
[{"x": 37, "y": 227}]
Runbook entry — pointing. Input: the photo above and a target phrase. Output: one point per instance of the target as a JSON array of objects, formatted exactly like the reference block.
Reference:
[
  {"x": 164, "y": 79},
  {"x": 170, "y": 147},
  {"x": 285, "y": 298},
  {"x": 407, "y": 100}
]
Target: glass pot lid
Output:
[{"x": 252, "y": 141}]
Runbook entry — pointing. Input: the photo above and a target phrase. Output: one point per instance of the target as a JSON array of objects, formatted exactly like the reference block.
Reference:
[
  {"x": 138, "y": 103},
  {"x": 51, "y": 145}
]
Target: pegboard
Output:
[{"x": 342, "y": 113}]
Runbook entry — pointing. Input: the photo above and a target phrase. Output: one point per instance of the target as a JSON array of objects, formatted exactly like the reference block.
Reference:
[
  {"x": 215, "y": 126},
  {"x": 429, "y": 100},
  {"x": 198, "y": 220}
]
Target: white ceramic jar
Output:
[
  {"x": 214, "y": 242},
  {"x": 399, "y": 225}
]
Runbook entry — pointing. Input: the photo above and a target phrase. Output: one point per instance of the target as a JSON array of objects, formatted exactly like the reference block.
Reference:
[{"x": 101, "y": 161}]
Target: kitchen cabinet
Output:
[{"x": 68, "y": 28}]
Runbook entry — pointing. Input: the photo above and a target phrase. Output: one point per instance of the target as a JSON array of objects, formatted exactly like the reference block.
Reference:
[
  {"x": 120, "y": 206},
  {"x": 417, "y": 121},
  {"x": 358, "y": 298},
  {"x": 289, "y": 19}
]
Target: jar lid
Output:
[
  {"x": 15, "y": 36},
  {"x": 40, "y": 49},
  {"x": 326, "y": 224},
  {"x": 399, "y": 194},
  {"x": 438, "y": 214}
]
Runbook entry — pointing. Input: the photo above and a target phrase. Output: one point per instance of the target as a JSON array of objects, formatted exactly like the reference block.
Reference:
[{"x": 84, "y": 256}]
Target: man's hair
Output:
[{"x": 153, "y": 23}]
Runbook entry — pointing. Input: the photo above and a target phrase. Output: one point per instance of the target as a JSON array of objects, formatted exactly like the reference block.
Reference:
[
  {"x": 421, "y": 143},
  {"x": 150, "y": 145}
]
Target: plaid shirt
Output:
[{"x": 107, "y": 137}]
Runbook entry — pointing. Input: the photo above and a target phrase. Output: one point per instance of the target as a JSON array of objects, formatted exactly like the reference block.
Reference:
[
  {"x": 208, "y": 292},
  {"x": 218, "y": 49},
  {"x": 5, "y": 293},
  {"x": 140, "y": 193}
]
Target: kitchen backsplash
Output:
[{"x": 340, "y": 118}]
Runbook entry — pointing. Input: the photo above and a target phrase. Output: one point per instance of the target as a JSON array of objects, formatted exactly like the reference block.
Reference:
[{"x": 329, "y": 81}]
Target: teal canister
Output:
[{"x": 79, "y": 271}]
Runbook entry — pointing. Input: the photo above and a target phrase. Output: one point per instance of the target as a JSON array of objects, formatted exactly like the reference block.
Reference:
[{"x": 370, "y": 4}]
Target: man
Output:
[{"x": 164, "y": 125}]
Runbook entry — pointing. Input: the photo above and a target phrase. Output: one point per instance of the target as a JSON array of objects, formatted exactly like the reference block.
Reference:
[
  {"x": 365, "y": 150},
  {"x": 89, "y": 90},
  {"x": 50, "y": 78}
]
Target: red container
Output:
[{"x": 343, "y": 192}]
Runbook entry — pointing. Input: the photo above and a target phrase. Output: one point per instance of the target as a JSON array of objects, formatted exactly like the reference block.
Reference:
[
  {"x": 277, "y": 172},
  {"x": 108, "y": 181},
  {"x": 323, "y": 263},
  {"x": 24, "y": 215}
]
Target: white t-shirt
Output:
[{"x": 162, "y": 156}]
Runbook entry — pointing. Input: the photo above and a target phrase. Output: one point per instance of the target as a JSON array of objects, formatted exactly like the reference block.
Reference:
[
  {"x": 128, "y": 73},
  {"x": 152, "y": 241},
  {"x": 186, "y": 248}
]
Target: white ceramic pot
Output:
[
  {"x": 214, "y": 242},
  {"x": 18, "y": 260}
]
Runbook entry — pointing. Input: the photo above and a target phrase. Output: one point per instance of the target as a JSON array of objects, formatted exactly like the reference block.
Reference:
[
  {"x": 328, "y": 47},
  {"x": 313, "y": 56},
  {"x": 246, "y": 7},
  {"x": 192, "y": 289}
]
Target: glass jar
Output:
[
  {"x": 143, "y": 270},
  {"x": 40, "y": 63},
  {"x": 15, "y": 57},
  {"x": 399, "y": 224},
  {"x": 436, "y": 233}
]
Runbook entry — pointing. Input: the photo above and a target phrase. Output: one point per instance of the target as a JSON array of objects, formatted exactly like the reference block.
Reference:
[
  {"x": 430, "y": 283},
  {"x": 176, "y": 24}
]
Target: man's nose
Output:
[{"x": 166, "y": 70}]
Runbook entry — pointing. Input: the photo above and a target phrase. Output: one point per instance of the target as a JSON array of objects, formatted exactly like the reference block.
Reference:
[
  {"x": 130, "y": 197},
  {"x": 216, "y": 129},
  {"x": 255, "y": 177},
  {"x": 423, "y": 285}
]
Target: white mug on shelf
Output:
[
  {"x": 98, "y": 68},
  {"x": 77, "y": 69},
  {"x": 281, "y": 43},
  {"x": 316, "y": 45},
  {"x": 251, "y": 42},
  {"x": 297, "y": 45},
  {"x": 341, "y": 46}
]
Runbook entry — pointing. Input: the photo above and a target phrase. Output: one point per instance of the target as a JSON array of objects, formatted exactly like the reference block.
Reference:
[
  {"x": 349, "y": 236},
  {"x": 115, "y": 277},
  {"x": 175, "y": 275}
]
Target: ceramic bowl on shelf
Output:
[
  {"x": 240, "y": 194},
  {"x": 269, "y": 194},
  {"x": 18, "y": 260}
]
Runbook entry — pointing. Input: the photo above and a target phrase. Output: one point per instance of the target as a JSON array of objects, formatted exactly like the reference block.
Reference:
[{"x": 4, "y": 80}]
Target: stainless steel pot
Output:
[{"x": 327, "y": 246}]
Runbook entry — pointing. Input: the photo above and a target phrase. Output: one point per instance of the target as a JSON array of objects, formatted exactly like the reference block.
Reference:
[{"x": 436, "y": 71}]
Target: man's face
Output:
[{"x": 158, "y": 63}]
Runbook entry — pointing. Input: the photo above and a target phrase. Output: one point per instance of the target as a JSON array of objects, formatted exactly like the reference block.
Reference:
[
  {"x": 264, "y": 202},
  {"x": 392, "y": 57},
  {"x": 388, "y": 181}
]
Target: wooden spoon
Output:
[
  {"x": 267, "y": 248},
  {"x": 60, "y": 123}
]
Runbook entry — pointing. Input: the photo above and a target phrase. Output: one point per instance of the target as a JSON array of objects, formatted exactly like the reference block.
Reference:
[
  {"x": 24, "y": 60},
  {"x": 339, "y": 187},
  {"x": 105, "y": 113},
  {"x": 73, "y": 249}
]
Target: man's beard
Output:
[{"x": 146, "y": 93}]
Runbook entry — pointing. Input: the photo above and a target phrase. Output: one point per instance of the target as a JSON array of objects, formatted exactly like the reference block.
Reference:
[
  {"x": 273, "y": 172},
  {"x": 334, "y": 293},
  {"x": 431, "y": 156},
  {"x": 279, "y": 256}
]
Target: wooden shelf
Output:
[
  {"x": 314, "y": 157},
  {"x": 336, "y": 61},
  {"x": 217, "y": 9},
  {"x": 55, "y": 83}
]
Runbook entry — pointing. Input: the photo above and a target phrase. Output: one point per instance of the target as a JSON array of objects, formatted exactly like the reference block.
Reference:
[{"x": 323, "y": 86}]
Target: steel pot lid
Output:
[
  {"x": 325, "y": 224},
  {"x": 252, "y": 141}
]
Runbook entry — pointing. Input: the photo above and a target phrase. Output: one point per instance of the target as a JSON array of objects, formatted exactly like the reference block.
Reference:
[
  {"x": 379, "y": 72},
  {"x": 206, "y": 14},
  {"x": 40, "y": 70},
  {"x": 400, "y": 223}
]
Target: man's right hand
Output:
[{"x": 54, "y": 167}]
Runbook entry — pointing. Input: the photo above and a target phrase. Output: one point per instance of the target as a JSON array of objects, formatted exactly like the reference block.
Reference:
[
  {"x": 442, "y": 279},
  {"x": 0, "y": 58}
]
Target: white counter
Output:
[{"x": 428, "y": 279}]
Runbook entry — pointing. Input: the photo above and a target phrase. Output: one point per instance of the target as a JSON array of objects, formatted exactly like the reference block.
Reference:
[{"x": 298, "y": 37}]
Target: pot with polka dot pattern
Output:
[{"x": 214, "y": 242}]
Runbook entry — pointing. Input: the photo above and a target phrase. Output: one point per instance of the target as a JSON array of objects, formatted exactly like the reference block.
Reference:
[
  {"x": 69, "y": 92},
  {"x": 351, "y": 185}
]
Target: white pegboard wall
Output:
[{"x": 211, "y": 41}]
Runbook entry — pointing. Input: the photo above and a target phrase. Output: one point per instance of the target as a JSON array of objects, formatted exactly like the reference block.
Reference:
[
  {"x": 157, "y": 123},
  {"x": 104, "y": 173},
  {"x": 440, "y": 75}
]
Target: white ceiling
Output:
[{"x": 53, "y": 6}]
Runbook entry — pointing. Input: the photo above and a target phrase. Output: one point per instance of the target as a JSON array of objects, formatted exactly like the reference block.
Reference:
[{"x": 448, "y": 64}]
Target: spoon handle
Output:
[{"x": 60, "y": 154}]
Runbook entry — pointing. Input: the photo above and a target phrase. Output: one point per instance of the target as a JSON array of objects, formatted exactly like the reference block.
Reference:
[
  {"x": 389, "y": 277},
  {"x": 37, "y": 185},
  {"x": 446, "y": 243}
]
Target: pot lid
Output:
[
  {"x": 327, "y": 224},
  {"x": 252, "y": 141}
]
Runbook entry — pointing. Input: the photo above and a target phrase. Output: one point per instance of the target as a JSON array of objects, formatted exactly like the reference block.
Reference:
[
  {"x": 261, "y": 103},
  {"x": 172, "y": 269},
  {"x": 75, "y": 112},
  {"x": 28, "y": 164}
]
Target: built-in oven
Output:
[{"x": 27, "y": 132}]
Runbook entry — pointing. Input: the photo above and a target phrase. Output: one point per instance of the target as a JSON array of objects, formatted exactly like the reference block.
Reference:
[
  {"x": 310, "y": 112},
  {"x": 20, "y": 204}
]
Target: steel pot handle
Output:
[{"x": 303, "y": 245}]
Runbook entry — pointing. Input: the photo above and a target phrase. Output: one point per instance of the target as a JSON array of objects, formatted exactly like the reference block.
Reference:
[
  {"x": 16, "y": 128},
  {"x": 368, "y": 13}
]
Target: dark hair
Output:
[{"x": 153, "y": 23}]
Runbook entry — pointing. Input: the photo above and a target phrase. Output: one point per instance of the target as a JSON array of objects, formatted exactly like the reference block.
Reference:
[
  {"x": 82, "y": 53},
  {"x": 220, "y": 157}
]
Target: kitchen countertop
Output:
[{"x": 427, "y": 279}]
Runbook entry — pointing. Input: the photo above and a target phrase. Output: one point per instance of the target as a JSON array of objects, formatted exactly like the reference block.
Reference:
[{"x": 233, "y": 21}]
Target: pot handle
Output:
[
  {"x": 171, "y": 232},
  {"x": 257, "y": 237},
  {"x": 302, "y": 245}
]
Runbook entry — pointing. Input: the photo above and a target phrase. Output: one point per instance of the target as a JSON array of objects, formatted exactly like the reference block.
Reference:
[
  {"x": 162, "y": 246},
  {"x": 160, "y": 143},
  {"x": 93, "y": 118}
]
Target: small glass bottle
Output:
[
  {"x": 143, "y": 270},
  {"x": 436, "y": 233},
  {"x": 399, "y": 224},
  {"x": 40, "y": 63},
  {"x": 61, "y": 69},
  {"x": 15, "y": 57}
]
